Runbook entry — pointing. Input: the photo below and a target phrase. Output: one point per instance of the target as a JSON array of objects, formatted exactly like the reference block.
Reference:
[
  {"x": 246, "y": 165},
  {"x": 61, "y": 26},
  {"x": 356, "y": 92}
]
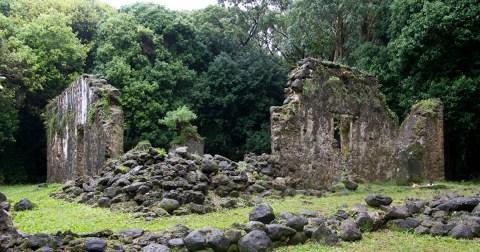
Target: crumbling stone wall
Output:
[
  {"x": 335, "y": 124},
  {"x": 420, "y": 142},
  {"x": 84, "y": 129}
]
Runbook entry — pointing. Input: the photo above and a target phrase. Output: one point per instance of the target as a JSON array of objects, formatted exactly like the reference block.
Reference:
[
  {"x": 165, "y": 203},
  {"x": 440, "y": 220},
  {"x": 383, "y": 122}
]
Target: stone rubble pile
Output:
[
  {"x": 152, "y": 184},
  {"x": 448, "y": 215}
]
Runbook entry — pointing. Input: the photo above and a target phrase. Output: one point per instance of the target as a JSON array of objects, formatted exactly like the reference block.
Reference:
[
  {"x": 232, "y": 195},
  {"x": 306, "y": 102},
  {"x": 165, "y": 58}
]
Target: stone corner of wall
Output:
[{"x": 84, "y": 127}]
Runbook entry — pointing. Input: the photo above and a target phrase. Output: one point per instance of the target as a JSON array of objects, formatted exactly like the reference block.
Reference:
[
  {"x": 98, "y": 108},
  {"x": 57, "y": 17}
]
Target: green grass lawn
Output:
[{"x": 52, "y": 215}]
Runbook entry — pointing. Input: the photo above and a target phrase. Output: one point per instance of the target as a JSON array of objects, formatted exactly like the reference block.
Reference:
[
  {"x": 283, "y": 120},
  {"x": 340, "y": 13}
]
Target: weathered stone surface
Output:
[
  {"x": 377, "y": 200},
  {"x": 154, "y": 247},
  {"x": 279, "y": 232},
  {"x": 349, "y": 231},
  {"x": 194, "y": 147},
  {"x": 334, "y": 125},
  {"x": 263, "y": 213},
  {"x": 324, "y": 235},
  {"x": 421, "y": 148},
  {"x": 131, "y": 232},
  {"x": 5, "y": 205},
  {"x": 350, "y": 185},
  {"x": 255, "y": 225},
  {"x": 297, "y": 223},
  {"x": 39, "y": 240},
  {"x": 23, "y": 204},
  {"x": 3, "y": 197},
  {"x": 95, "y": 244},
  {"x": 169, "y": 205},
  {"x": 255, "y": 241},
  {"x": 461, "y": 232},
  {"x": 217, "y": 240},
  {"x": 6, "y": 222},
  {"x": 84, "y": 127},
  {"x": 195, "y": 241}
]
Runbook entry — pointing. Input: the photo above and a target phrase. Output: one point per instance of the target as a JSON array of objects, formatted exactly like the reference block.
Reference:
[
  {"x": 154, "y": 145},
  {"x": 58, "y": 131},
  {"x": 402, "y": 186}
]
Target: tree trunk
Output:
[{"x": 339, "y": 39}]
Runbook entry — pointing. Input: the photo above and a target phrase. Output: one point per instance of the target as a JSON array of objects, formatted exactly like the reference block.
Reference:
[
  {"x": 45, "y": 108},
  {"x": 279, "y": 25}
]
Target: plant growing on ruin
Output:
[{"x": 179, "y": 121}]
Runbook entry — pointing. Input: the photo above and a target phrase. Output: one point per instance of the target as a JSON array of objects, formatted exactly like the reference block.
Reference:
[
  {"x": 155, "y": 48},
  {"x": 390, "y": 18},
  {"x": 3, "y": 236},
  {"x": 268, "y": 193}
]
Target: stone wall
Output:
[
  {"x": 84, "y": 129},
  {"x": 334, "y": 125},
  {"x": 421, "y": 143}
]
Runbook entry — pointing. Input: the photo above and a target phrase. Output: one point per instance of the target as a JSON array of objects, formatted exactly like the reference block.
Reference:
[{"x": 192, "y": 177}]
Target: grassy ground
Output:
[{"x": 52, "y": 215}]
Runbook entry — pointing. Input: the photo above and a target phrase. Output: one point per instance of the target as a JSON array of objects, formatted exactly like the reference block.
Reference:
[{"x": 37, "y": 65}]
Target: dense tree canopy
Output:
[{"x": 228, "y": 63}]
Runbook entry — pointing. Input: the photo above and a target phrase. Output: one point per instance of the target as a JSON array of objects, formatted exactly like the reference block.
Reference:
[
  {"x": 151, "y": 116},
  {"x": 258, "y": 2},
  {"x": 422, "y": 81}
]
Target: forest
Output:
[{"x": 228, "y": 63}]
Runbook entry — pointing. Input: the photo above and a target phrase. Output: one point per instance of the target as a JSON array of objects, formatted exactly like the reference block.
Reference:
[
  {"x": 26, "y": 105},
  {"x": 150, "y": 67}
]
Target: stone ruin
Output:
[
  {"x": 84, "y": 129},
  {"x": 335, "y": 125}
]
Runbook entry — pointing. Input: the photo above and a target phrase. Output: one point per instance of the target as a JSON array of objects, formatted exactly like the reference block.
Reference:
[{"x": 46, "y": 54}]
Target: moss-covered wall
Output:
[
  {"x": 84, "y": 128},
  {"x": 334, "y": 124}
]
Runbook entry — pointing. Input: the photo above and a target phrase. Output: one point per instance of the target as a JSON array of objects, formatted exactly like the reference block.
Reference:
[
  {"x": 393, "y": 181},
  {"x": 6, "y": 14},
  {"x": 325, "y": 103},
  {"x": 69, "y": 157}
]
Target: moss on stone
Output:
[{"x": 429, "y": 106}]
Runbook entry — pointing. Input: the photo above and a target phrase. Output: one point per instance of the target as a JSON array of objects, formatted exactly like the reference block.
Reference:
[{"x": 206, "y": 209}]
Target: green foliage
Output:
[
  {"x": 233, "y": 99},
  {"x": 326, "y": 29},
  {"x": 8, "y": 117},
  {"x": 178, "y": 118},
  {"x": 179, "y": 121},
  {"x": 429, "y": 49},
  {"x": 102, "y": 104},
  {"x": 135, "y": 54}
]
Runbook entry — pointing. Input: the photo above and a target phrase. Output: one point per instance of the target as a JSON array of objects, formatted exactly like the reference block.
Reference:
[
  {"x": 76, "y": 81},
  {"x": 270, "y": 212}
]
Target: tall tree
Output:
[
  {"x": 233, "y": 99},
  {"x": 40, "y": 56},
  {"x": 430, "y": 49},
  {"x": 136, "y": 55},
  {"x": 327, "y": 29}
]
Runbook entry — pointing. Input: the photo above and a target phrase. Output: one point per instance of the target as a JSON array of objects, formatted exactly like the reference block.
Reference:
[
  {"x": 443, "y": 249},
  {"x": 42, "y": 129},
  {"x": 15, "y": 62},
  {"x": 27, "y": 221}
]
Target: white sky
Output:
[{"x": 170, "y": 4}]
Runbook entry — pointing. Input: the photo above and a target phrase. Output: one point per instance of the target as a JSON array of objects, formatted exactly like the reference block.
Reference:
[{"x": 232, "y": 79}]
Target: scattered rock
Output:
[
  {"x": 349, "y": 231},
  {"x": 421, "y": 230},
  {"x": 297, "y": 223},
  {"x": 95, "y": 244},
  {"x": 377, "y": 200},
  {"x": 195, "y": 241},
  {"x": 324, "y": 235},
  {"x": 256, "y": 240},
  {"x": 255, "y": 225},
  {"x": 131, "y": 232},
  {"x": 3, "y": 197},
  {"x": 5, "y": 205},
  {"x": 182, "y": 151},
  {"x": 461, "y": 232},
  {"x": 463, "y": 204},
  {"x": 169, "y": 205},
  {"x": 308, "y": 213},
  {"x": 263, "y": 213},
  {"x": 23, "y": 204},
  {"x": 279, "y": 232},
  {"x": 39, "y": 240},
  {"x": 350, "y": 185}
]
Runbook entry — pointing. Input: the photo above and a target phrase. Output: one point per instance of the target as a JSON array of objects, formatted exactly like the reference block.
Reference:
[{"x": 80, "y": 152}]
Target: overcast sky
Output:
[{"x": 170, "y": 4}]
